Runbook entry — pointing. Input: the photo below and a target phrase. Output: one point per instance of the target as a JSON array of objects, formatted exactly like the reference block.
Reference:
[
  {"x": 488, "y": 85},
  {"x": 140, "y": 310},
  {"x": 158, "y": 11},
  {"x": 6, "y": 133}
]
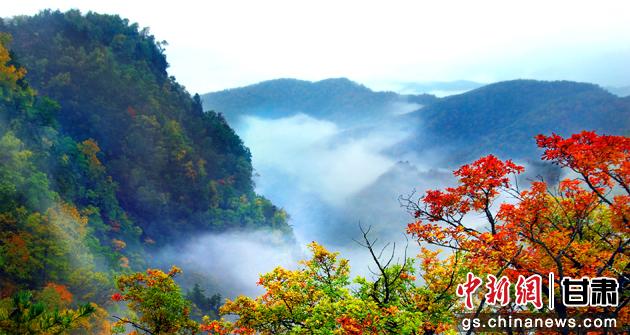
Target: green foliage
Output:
[
  {"x": 318, "y": 298},
  {"x": 122, "y": 151},
  {"x": 24, "y": 315},
  {"x": 204, "y": 305},
  {"x": 156, "y": 303},
  {"x": 53, "y": 199},
  {"x": 174, "y": 169}
]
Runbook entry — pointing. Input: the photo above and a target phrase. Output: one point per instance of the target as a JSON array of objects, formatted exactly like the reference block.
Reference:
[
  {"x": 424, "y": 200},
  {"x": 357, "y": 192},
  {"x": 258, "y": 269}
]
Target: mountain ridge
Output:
[
  {"x": 513, "y": 112},
  {"x": 520, "y": 108},
  {"x": 337, "y": 98}
]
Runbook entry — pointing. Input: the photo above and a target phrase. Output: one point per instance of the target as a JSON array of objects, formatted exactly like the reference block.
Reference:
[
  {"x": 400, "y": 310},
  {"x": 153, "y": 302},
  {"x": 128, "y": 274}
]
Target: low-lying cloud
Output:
[
  {"x": 232, "y": 261},
  {"x": 330, "y": 178},
  {"x": 316, "y": 156}
]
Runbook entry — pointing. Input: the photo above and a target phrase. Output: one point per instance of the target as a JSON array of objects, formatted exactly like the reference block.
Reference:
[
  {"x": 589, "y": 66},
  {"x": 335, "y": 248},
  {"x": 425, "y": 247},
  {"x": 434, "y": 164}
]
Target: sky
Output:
[{"x": 213, "y": 45}]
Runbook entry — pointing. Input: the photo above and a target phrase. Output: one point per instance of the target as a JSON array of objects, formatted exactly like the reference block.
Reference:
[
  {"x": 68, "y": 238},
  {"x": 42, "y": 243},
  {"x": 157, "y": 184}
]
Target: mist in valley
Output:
[{"x": 332, "y": 178}]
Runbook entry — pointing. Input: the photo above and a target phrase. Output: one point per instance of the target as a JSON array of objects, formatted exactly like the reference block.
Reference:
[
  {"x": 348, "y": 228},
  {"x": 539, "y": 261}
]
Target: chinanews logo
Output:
[
  {"x": 595, "y": 292},
  {"x": 527, "y": 293}
]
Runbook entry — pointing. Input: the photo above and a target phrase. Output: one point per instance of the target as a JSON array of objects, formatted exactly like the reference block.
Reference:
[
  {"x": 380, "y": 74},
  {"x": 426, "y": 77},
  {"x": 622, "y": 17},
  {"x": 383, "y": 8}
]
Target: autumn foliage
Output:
[
  {"x": 576, "y": 228},
  {"x": 157, "y": 304},
  {"x": 489, "y": 227}
]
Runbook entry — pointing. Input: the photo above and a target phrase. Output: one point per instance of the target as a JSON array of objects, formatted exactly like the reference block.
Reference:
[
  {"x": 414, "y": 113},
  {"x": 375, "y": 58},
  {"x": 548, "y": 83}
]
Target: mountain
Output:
[
  {"x": 503, "y": 118},
  {"x": 339, "y": 100},
  {"x": 63, "y": 232},
  {"x": 176, "y": 168},
  {"x": 105, "y": 160},
  {"x": 335, "y": 153},
  {"x": 462, "y": 126}
]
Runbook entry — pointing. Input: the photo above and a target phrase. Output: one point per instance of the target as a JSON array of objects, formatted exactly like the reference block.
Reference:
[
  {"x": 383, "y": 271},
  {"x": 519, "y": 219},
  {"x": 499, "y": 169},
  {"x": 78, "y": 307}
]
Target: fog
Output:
[
  {"x": 330, "y": 178},
  {"x": 230, "y": 263},
  {"x": 316, "y": 156}
]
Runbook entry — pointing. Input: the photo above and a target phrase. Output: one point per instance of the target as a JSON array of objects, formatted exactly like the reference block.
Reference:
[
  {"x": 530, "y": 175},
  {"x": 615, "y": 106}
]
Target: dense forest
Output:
[
  {"x": 176, "y": 167},
  {"x": 105, "y": 158}
]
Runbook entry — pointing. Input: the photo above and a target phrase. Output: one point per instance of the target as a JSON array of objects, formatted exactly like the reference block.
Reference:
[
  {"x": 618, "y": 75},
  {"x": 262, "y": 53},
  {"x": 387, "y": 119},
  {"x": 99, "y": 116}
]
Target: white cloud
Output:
[
  {"x": 316, "y": 155},
  {"x": 235, "y": 260}
]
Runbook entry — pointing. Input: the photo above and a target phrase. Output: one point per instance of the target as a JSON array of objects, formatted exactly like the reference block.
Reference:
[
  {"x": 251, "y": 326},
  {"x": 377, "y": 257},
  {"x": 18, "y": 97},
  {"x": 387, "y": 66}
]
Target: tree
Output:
[
  {"x": 574, "y": 229},
  {"x": 296, "y": 301},
  {"x": 24, "y": 315},
  {"x": 10, "y": 75},
  {"x": 203, "y": 304},
  {"x": 317, "y": 298},
  {"x": 156, "y": 304}
]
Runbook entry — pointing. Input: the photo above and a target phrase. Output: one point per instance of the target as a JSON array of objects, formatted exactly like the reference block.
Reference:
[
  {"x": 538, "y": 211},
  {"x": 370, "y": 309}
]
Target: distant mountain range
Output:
[
  {"x": 503, "y": 118},
  {"x": 500, "y": 118},
  {"x": 334, "y": 152},
  {"x": 338, "y": 99}
]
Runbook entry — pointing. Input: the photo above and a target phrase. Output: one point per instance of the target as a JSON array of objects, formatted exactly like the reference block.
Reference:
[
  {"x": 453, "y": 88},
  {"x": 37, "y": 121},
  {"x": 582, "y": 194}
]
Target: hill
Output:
[
  {"x": 176, "y": 168},
  {"x": 339, "y": 100},
  {"x": 461, "y": 126},
  {"x": 62, "y": 230},
  {"x": 510, "y": 113}
]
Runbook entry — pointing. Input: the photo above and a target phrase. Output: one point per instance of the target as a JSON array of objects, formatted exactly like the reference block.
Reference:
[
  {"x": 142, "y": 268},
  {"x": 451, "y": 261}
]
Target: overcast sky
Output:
[{"x": 220, "y": 44}]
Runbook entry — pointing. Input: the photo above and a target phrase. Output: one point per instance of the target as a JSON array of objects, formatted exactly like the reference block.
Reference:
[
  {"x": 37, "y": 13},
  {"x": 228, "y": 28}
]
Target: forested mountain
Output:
[
  {"x": 508, "y": 113},
  {"x": 62, "y": 230},
  {"x": 177, "y": 169},
  {"x": 464, "y": 126},
  {"x": 103, "y": 157},
  {"x": 338, "y": 99}
]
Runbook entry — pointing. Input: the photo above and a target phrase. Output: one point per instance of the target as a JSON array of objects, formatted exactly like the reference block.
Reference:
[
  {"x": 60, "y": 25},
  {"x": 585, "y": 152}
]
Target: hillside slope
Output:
[
  {"x": 57, "y": 204},
  {"x": 338, "y": 99},
  {"x": 502, "y": 118},
  {"x": 177, "y": 168}
]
